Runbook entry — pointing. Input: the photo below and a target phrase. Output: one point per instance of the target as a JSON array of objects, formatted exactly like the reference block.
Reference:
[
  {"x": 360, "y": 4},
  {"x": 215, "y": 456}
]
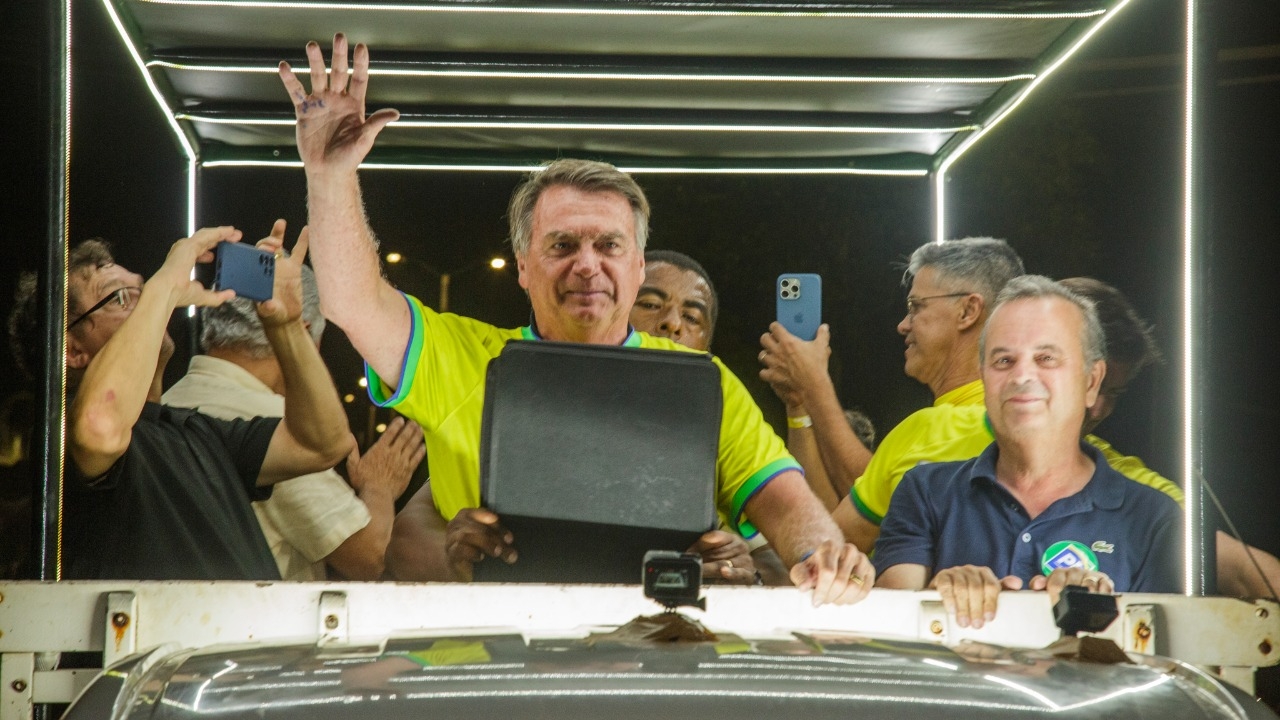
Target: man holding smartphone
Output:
[
  {"x": 156, "y": 493},
  {"x": 578, "y": 230}
]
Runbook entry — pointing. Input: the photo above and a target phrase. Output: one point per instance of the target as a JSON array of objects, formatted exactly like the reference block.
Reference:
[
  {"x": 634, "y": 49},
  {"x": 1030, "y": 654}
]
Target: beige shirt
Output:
[{"x": 307, "y": 517}]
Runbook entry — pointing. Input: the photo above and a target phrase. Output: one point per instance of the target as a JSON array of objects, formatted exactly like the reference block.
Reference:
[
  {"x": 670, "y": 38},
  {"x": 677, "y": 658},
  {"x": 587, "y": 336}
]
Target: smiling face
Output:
[
  {"x": 675, "y": 303},
  {"x": 582, "y": 269},
  {"x": 1034, "y": 369}
]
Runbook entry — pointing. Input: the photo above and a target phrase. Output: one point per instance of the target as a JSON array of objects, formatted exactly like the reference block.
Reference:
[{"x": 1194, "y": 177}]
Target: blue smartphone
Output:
[
  {"x": 246, "y": 269},
  {"x": 800, "y": 304}
]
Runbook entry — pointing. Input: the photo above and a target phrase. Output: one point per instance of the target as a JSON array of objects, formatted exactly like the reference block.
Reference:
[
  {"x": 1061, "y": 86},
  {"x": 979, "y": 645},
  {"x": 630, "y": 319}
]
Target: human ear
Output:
[
  {"x": 1096, "y": 373},
  {"x": 971, "y": 307}
]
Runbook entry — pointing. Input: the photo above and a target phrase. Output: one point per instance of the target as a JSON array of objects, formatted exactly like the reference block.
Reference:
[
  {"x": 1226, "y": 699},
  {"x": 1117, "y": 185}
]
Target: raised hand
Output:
[
  {"x": 285, "y": 305},
  {"x": 793, "y": 366},
  {"x": 332, "y": 130},
  {"x": 175, "y": 273}
]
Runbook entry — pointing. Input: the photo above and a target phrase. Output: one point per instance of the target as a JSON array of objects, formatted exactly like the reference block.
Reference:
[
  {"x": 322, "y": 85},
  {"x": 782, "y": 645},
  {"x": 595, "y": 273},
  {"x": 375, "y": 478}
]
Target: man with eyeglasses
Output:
[
  {"x": 952, "y": 288},
  {"x": 158, "y": 493}
]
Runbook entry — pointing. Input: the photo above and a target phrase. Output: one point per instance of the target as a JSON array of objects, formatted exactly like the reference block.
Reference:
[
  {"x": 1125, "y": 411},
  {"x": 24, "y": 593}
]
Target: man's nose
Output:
[
  {"x": 670, "y": 323},
  {"x": 587, "y": 262},
  {"x": 904, "y": 325}
]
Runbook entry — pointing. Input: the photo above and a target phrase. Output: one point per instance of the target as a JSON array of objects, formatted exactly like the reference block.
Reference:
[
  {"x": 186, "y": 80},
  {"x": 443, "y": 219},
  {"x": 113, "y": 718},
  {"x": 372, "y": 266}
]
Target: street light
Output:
[{"x": 395, "y": 258}]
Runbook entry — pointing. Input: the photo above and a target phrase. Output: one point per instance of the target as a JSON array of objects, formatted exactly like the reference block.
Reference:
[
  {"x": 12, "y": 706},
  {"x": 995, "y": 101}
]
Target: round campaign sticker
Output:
[{"x": 1068, "y": 554}]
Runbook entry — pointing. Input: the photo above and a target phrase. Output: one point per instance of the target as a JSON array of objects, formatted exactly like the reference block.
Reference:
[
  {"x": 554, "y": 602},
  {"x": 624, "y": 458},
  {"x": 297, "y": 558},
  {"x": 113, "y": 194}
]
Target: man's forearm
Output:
[
  {"x": 803, "y": 445},
  {"x": 791, "y": 518},
  {"x": 353, "y": 293},
  {"x": 417, "y": 549},
  {"x": 344, "y": 252},
  {"x": 363, "y": 555},
  {"x": 843, "y": 455},
  {"x": 312, "y": 411},
  {"x": 118, "y": 381}
]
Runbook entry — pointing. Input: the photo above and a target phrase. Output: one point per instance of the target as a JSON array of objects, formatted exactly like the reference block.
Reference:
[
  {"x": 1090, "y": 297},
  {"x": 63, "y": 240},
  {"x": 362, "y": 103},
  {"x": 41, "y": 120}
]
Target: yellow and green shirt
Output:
[
  {"x": 956, "y": 428},
  {"x": 441, "y": 387}
]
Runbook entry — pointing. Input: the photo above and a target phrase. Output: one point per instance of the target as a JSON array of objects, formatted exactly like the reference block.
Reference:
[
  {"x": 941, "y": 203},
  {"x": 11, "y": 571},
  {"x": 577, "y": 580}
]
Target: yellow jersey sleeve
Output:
[
  {"x": 941, "y": 433},
  {"x": 1134, "y": 469}
]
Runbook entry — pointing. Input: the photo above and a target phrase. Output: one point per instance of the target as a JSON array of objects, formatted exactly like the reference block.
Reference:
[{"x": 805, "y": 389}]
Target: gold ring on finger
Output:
[{"x": 856, "y": 579}]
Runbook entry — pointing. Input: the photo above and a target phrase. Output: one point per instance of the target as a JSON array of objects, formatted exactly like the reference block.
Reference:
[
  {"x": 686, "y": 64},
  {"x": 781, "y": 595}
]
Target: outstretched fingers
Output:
[
  {"x": 303, "y": 244},
  {"x": 338, "y": 74},
  {"x": 359, "y": 82},
  {"x": 292, "y": 85},
  {"x": 315, "y": 59}
]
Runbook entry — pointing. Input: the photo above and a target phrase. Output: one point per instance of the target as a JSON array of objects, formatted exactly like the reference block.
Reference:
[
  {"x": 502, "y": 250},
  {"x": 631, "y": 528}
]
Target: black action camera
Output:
[
  {"x": 673, "y": 579},
  {"x": 1079, "y": 610}
]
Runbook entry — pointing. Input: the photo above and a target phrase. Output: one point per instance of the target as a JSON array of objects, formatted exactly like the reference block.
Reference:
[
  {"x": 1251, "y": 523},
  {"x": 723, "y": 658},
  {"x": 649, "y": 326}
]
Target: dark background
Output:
[{"x": 1084, "y": 179}]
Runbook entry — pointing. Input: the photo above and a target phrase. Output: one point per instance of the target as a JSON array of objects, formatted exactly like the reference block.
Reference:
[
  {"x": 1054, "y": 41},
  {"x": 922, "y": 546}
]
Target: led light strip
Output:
[
  {"x": 189, "y": 151},
  {"x": 630, "y": 127},
  {"x": 191, "y": 216},
  {"x": 299, "y": 5},
  {"x": 1191, "y": 540},
  {"x": 940, "y": 205},
  {"x": 1026, "y": 92},
  {"x": 633, "y": 170},
  {"x": 634, "y": 76}
]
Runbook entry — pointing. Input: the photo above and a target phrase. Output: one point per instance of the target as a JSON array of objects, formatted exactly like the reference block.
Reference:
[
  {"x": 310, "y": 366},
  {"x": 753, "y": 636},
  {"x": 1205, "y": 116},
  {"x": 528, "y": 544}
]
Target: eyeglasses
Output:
[
  {"x": 916, "y": 304},
  {"x": 125, "y": 298}
]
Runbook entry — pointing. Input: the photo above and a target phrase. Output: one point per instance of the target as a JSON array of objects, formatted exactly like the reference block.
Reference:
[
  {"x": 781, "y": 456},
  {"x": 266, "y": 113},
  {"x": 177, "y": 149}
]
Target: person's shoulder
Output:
[
  {"x": 468, "y": 334},
  {"x": 653, "y": 342},
  {"x": 946, "y": 417},
  {"x": 193, "y": 420},
  {"x": 1140, "y": 498},
  {"x": 939, "y": 474},
  {"x": 946, "y": 432}
]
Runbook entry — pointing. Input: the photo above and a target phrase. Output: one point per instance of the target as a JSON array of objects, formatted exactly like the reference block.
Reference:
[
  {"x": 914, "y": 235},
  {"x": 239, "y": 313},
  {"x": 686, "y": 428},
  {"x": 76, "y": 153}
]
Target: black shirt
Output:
[{"x": 175, "y": 506}]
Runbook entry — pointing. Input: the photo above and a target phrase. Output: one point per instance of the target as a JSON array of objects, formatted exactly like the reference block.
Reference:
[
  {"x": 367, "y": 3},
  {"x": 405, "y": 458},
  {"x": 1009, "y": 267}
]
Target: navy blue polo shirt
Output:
[{"x": 955, "y": 513}]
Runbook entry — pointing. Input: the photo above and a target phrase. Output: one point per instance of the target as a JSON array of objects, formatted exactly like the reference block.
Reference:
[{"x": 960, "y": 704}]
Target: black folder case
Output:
[{"x": 593, "y": 455}]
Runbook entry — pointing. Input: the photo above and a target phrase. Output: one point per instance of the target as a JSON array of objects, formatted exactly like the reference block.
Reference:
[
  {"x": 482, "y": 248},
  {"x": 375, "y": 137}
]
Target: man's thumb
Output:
[{"x": 1011, "y": 582}]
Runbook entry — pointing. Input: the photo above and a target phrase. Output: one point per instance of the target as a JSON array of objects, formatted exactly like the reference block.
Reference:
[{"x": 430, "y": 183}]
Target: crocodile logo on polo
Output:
[{"x": 1068, "y": 554}]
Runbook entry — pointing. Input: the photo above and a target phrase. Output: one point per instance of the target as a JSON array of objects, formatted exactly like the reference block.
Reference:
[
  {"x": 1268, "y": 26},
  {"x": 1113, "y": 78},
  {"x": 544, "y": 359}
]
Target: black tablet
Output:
[{"x": 593, "y": 455}]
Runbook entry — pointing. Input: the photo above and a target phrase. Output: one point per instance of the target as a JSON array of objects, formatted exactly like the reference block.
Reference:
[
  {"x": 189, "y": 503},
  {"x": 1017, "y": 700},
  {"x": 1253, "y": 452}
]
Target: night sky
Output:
[{"x": 1085, "y": 179}]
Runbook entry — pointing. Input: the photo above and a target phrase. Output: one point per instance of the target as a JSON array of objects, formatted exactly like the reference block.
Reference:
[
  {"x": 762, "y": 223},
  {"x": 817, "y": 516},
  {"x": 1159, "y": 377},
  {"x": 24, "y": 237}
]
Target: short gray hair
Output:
[
  {"x": 982, "y": 264},
  {"x": 584, "y": 175},
  {"x": 1092, "y": 339},
  {"x": 234, "y": 325}
]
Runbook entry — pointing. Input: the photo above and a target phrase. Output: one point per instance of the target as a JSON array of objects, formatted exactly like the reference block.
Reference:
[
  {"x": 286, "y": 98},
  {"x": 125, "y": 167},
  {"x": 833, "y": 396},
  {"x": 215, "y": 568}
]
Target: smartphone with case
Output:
[
  {"x": 246, "y": 269},
  {"x": 800, "y": 304}
]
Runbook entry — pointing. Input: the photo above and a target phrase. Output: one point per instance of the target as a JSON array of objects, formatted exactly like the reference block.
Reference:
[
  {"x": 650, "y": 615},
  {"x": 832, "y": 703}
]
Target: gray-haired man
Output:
[
  {"x": 313, "y": 519},
  {"x": 1039, "y": 501}
]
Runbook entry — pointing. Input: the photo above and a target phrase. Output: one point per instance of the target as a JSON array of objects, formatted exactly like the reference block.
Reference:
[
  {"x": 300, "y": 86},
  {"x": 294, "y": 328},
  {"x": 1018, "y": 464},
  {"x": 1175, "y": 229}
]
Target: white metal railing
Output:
[{"x": 38, "y": 620}]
